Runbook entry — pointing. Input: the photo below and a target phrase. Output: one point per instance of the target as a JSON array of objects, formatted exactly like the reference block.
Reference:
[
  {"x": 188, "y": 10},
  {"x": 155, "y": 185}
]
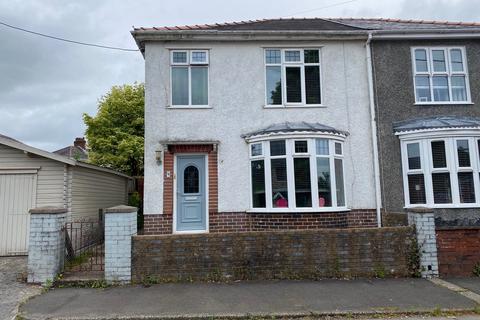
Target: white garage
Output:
[{"x": 30, "y": 178}]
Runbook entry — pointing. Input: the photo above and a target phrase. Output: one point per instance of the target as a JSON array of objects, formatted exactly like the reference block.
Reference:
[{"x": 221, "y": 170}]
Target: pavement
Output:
[
  {"x": 273, "y": 298},
  {"x": 471, "y": 284},
  {"x": 12, "y": 291}
]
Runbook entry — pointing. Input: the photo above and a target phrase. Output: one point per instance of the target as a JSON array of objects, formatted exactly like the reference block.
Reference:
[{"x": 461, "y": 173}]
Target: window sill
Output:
[
  {"x": 440, "y": 103},
  {"x": 445, "y": 206},
  {"x": 288, "y": 106},
  {"x": 299, "y": 210},
  {"x": 189, "y": 107}
]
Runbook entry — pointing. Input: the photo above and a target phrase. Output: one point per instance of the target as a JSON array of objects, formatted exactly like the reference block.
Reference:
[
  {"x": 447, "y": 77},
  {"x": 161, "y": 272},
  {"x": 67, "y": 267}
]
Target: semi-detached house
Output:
[{"x": 272, "y": 124}]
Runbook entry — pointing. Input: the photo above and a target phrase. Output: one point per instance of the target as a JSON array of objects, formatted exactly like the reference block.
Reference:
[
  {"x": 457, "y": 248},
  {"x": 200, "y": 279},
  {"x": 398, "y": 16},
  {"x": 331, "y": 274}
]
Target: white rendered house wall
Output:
[{"x": 237, "y": 101}]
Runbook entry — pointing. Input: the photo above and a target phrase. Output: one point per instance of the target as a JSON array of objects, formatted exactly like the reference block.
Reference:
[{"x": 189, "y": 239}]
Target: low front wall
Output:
[
  {"x": 299, "y": 254},
  {"x": 458, "y": 250},
  {"x": 244, "y": 222}
]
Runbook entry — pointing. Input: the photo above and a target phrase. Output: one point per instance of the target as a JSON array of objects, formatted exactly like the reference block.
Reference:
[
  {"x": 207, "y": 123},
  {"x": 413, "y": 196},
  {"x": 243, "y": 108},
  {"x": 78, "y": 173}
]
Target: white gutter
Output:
[{"x": 376, "y": 166}]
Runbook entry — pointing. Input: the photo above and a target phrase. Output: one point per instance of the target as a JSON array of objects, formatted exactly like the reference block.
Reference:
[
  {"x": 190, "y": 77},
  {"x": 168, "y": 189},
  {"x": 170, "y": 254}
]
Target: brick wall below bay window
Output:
[
  {"x": 458, "y": 251},
  {"x": 243, "y": 222}
]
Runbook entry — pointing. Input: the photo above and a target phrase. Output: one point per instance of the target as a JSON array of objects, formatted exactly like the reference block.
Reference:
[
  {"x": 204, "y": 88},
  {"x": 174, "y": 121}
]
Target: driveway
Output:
[{"x": 13, "y": 292}]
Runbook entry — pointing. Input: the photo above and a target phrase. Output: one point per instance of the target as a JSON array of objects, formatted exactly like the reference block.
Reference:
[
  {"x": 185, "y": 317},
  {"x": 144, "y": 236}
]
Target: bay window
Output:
[
  {"x": 297, "y": 174},
  {"x": 292, "y": 77},
  {"x": 440, "y": 75},
  {"x": 189, "y": 78},
  {"x": 441, "y": 171}
]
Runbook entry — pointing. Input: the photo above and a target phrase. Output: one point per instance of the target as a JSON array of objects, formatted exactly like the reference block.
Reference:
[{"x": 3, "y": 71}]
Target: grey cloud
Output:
[{"x": 46, "y": 85}]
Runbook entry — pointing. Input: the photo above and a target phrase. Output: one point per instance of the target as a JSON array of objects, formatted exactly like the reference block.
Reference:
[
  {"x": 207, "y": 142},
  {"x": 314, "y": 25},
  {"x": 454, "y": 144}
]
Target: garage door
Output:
[{"x": 17, "y": 196}]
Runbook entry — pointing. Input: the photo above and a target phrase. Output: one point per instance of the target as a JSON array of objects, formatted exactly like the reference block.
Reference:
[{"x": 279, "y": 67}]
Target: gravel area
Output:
[{"x": 12, "y": 290}]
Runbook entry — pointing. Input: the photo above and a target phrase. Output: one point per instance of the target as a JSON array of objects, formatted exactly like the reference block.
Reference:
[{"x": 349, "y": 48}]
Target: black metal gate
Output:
[{"x": 84, "y": 246}]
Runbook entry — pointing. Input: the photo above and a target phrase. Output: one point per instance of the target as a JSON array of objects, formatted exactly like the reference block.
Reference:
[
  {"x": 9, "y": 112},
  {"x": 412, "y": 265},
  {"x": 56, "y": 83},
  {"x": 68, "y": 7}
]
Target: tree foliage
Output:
[{"x": 115, "y": 134}]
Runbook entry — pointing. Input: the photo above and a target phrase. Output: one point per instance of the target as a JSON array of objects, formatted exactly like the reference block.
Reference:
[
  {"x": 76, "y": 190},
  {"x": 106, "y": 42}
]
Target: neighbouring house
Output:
[
  {"x": 77, "y": 151},
  {"x": 427, "y": 86},
  {"x": 30, "y": 178},
  {"x": 257, "y": 125}
]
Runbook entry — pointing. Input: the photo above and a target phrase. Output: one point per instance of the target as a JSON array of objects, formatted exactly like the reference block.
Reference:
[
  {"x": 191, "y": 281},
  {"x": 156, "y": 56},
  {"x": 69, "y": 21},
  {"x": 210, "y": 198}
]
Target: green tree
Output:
[{"x": 115, "y": 134}]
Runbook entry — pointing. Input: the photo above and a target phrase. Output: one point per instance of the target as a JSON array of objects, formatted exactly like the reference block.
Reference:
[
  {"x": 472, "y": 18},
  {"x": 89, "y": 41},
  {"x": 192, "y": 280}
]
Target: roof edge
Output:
[{"x": 56, "y": 157}]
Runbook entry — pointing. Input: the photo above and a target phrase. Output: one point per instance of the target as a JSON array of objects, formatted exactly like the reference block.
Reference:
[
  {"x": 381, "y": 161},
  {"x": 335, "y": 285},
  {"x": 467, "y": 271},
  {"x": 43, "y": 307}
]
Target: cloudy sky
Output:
[{"x": 46, "y": 85}]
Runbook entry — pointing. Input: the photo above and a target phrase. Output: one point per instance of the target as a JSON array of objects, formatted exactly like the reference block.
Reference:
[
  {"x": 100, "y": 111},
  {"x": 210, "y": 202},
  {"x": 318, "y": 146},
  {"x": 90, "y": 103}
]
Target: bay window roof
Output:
[
  {"x": 437, "y": 122},
  {"x": 295, "y": 127}
]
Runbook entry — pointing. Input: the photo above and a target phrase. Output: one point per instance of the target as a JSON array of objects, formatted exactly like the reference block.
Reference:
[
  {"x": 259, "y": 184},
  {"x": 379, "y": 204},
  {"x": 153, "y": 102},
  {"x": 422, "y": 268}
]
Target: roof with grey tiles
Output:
[
  {"x": 438, "y": 122},
  {"x": 326, "y": 24},
  {"x": 286, "y": 127},
  {"x": 74, "y": 152}
]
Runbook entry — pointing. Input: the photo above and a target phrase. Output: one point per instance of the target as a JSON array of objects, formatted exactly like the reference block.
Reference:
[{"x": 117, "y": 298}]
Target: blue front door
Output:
[{"x": 191, "y": 193}]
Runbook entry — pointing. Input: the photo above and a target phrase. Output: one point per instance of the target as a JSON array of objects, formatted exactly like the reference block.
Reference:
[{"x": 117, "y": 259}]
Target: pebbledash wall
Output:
[
  {"x": 301, "y": 254},
  {"x": 233, "y": 112}
]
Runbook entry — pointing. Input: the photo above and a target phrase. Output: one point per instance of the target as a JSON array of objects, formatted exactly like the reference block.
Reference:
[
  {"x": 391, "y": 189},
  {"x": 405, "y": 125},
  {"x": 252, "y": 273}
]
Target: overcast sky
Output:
[{"x": 46, "y": 85}]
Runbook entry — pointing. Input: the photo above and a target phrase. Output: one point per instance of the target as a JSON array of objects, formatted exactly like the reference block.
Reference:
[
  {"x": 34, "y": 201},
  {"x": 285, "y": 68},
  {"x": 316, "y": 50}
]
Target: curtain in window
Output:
[
  {"x": 339, "y": 182},
  {"x": 199, "y": 85}
]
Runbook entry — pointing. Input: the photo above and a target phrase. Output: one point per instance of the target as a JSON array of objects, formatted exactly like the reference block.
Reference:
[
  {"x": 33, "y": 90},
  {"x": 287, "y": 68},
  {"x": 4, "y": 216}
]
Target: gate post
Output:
[
  {"x": 120, "y": 226},
  {"x": 46, "y": 248},
  {"x": 424, "y": 222}
]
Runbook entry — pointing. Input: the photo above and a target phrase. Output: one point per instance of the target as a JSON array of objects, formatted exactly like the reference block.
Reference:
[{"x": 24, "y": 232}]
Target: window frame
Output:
[
  {"x": 190, "y": 65},
  {"x": 290, "y": 155},
  {"x": 452, "y": 166},
  {"x": 448, "y": 72},
  {"x": 301, "y": 64}
]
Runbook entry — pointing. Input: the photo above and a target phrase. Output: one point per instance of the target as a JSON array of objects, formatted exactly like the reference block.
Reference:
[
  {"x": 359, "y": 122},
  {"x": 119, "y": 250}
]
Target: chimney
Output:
[{"x": 81, "y": 143}]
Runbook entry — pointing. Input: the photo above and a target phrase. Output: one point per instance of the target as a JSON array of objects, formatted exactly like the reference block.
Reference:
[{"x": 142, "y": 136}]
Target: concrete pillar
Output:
[
  {"x": 46, "y": 249},
  {"x": 424, "y": 221},
  {"x": 120, "y": 226}
]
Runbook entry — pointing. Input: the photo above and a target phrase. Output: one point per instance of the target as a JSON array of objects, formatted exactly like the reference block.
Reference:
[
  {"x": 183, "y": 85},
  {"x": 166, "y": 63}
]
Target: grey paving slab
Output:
[
  {"x": 13, "y": 292},
  {"x": 245, "y": 298},
  {"x": 472, "y": 283}
]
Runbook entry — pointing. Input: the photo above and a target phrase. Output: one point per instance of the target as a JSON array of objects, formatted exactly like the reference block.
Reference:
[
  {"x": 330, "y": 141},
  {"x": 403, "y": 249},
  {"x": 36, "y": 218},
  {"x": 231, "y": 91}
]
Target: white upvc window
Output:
[
  {"x": 292, "y": 77},
  {"x": 440, "y": 75},
  {"x": 441, "y": 171},
  {"x": 297, "y": 174},
  {"x": 189, "y": 78}
]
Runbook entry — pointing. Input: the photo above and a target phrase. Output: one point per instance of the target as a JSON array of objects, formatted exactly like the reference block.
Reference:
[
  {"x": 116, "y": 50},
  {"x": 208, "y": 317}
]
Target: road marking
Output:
[{"x": 464, "y": 292}]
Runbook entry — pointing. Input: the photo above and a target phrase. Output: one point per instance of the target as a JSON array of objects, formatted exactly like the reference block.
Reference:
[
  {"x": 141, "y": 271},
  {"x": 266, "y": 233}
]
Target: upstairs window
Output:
[
  {"x": 189, "y": 78},
  {"x": 440, "y": 75},
  {"x": 292, "y": 77}
]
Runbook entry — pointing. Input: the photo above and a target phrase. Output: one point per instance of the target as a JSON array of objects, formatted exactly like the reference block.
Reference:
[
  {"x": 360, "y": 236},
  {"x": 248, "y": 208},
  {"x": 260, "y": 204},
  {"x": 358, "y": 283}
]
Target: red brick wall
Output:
[
  {"x": 458, "y": 250},
  {"x": 242, "y": 221},
  {"x": 300, "y": 254}
]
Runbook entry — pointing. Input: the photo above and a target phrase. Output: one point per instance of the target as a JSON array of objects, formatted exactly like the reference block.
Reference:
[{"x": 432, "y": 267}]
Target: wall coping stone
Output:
[
  {"x": 420, "y": 210},
  {"x": 121, "y": 209},
  {"x": 48, "y": 210},
  {"x": 455, "y": 228},
  {"x": 304, "y": 231}
]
